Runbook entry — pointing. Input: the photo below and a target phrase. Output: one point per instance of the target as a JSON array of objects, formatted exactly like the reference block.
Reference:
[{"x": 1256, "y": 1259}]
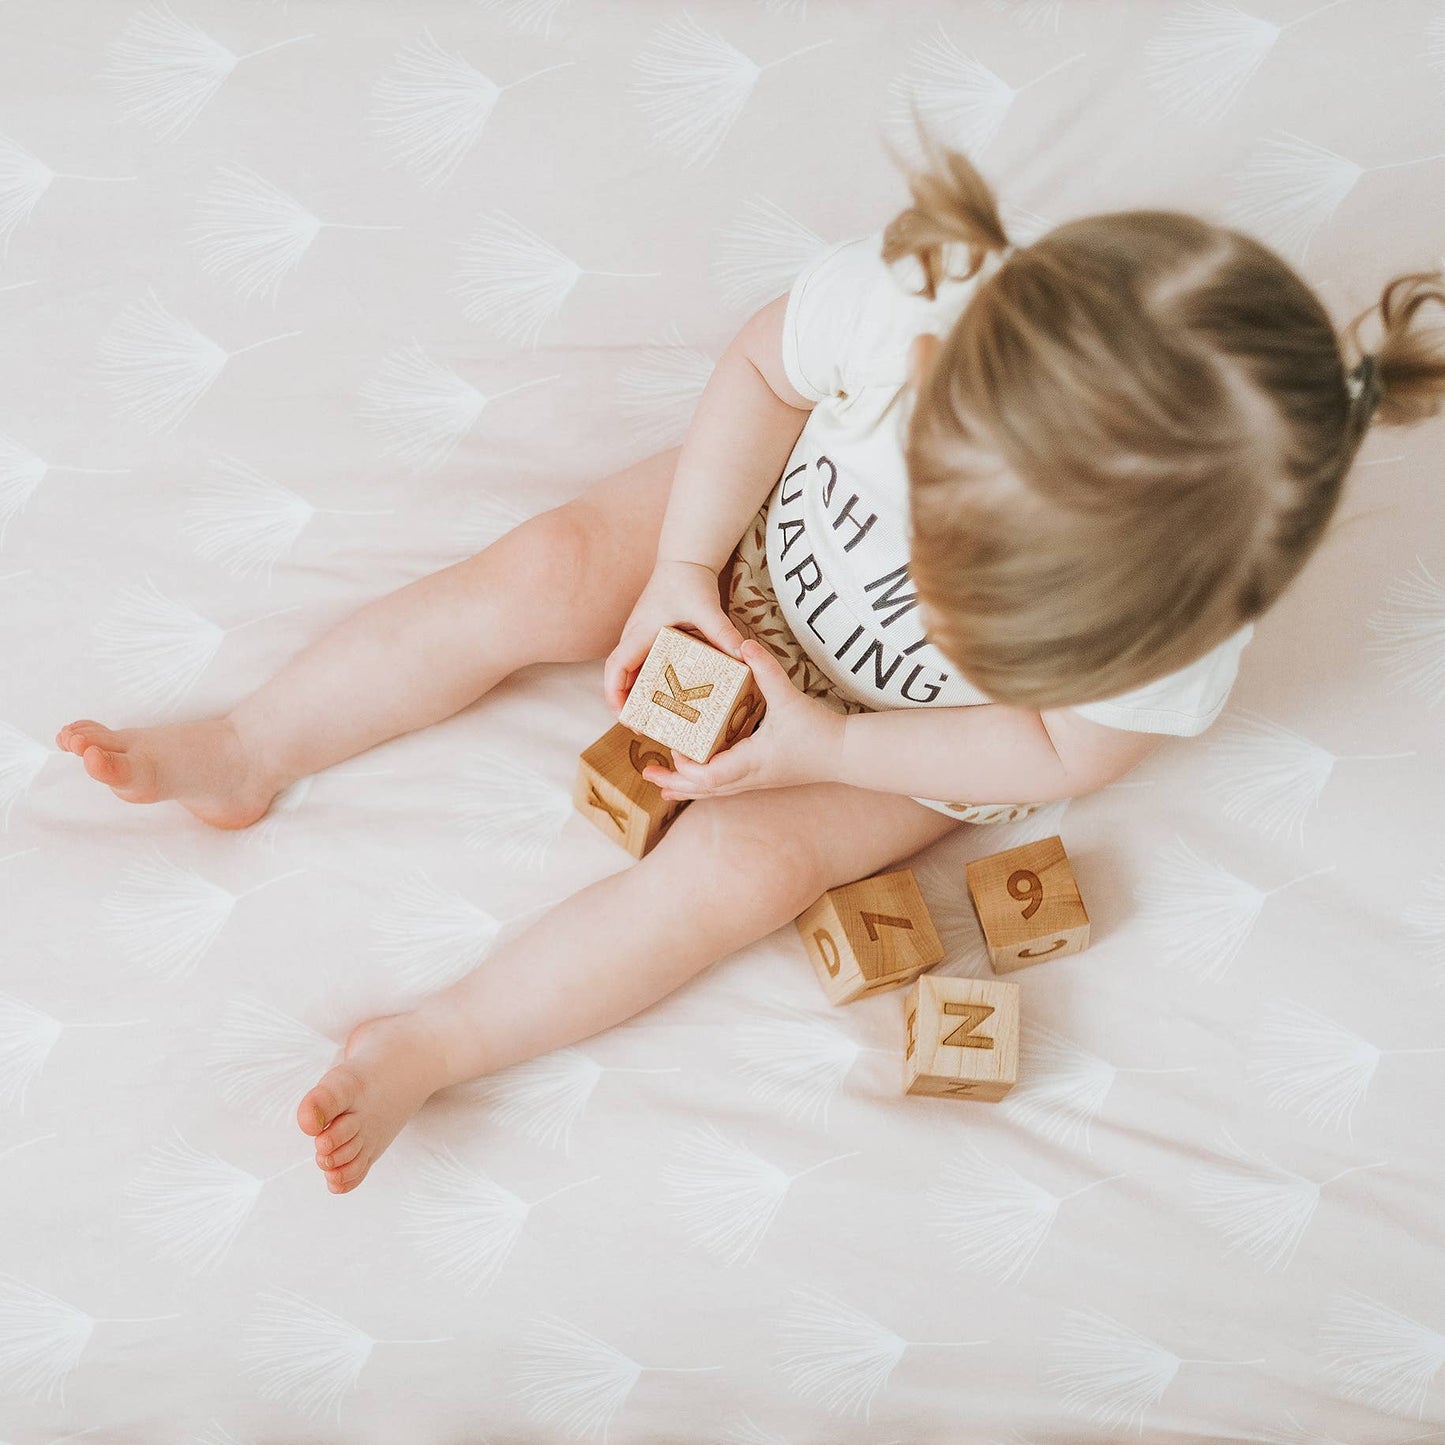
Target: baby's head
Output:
[{"x": 1132, "y": 438}]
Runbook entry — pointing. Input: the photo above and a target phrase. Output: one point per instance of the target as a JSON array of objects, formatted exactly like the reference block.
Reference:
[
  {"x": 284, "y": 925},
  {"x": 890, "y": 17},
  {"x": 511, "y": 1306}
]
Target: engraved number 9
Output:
[
  {"x": 643, "y": 756},
  {"x": 1022, "y": 884}
]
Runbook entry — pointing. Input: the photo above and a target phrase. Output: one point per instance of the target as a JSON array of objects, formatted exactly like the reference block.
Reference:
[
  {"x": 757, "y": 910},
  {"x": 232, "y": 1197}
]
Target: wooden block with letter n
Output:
[
  {"x": 692, "y": 697},
  {"x": 870, "y": 935},
  {"x": 962, "y": 1039},
  {"x": 612, "y": 793},
  {"x": 1028, "y": 904}
]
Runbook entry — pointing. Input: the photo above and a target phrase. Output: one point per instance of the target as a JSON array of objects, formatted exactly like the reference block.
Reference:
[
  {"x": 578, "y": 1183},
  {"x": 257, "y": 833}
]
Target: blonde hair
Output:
[{"x": 1132, "y": 438}]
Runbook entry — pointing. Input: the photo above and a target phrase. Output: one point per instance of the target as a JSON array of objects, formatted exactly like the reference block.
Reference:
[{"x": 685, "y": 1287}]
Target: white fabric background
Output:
[{"x": 1255, "y": 1015}]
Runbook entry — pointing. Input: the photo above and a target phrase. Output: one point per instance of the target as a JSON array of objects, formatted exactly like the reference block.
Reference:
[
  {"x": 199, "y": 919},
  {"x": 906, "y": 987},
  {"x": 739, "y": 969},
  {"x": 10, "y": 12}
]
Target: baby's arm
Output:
[
  {"x": 746, "y": 422},
  {"x": 987, "y": 753}
]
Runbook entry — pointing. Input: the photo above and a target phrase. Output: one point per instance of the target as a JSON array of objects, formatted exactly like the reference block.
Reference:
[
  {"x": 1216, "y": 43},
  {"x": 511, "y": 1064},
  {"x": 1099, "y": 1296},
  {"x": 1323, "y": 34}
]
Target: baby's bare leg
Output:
[
  {"x": 558, "y": 588},
  {"x": 730, "y": 871}
]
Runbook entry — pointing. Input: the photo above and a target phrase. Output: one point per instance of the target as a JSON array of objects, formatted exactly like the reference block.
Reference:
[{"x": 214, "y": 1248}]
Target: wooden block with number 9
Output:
[
  {"x": 692, "y": 697},
  {"x": 612, "y": 793},
  {"x": 961, "y": 1038},
  {"x": 870, "y": 935},
  {"x": 1028, "y": 904}
]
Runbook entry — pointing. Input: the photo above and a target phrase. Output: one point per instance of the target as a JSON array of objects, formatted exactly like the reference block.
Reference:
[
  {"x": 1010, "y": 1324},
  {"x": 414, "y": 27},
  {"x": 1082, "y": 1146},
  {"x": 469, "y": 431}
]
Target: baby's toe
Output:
[
  {"x": 339, "y": 1181},
  {"x": 338, "y": 1132},
  {"x": 75, "y": 737},
  {"x": 334, "y": 1095},
  {"x": 338, "y": 1158},
  {"x": 107, "y": 766}
]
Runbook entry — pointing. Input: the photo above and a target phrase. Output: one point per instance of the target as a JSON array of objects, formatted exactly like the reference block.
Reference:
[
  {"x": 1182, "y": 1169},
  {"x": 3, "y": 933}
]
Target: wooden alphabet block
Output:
[
  {"x": 692, "y": 697},
  {"x": 870, "y": 935},
  {"x": 1028, "y": 904},
  {"x": 962, "y": 1038},
  {"x": 612, "y": 793}
]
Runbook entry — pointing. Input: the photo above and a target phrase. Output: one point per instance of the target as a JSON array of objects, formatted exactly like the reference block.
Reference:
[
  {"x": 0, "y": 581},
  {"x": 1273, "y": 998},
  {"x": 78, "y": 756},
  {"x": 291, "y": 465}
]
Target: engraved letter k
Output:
[{"x": 677, "y": 697}]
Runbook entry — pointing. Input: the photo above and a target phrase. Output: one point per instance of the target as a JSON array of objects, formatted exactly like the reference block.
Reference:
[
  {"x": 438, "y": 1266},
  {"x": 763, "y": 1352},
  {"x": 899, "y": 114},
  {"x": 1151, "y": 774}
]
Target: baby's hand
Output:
[
  {"x": 798, "y": 741},
  {"x": 678, "y": 594}
]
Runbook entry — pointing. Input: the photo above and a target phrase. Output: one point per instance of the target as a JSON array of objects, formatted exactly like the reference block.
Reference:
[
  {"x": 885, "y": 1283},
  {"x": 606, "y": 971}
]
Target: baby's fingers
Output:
[
  {"x": 699, "y": 778},
  {"x": 720, "y": 631},
  {"x": 620, "y": 671}
]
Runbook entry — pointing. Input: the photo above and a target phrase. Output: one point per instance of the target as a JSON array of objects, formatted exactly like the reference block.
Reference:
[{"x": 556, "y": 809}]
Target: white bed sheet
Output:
[{"x": 1210, "y": 1209}]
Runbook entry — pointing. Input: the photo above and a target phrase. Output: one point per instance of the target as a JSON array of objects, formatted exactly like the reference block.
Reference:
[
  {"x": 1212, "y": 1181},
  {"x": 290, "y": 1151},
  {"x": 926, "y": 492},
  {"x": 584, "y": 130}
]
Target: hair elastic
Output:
[{"x": 1364, "y": 385}]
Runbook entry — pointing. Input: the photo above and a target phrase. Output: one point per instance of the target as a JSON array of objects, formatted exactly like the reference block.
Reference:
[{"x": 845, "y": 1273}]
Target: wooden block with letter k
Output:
[
  {"x": 692, "y": 697},
  {"x": 870, "y": 935},
  {"x": 962, "y": 1038}
]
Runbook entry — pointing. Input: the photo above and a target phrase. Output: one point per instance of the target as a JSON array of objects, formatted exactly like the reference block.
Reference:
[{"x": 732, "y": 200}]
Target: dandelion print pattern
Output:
[{"x": 307, "y": 307}]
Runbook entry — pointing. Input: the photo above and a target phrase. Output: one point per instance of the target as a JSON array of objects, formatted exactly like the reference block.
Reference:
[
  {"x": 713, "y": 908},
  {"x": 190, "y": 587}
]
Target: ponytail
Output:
[
  {"x": 1406, "y": 374},
  {"x": 952, "y": 205}
]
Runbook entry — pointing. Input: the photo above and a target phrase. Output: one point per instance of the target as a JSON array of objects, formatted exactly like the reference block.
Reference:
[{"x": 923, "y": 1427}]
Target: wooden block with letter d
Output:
[
  {"x": 870, "y": 935},
  {"x": 1028, "y": 904},
  {"x": 962, "y": 1038},
  {"x": 612, "y": 793},
  {"x": 692, "y": 697}
]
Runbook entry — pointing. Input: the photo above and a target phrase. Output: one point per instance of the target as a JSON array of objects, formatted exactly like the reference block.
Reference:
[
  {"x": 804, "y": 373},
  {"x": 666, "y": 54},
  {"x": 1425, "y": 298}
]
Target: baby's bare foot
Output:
[
  {"x": 204, "y": 766},
  {"x": 392, "y": 1067}
]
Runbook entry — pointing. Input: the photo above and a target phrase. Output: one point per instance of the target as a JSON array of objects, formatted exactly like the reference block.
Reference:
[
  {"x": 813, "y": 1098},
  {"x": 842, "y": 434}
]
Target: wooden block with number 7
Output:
[
  {"x": 1028, "y": 904},
  {"x": 692, "y": 697},
  {"x": 961, "y": 1038},
  {"x": 870, "y": 935}
]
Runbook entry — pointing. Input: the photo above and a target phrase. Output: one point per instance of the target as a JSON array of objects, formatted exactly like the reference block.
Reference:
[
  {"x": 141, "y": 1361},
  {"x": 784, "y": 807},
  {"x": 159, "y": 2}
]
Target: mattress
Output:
[{"x": 303, "y": 301}]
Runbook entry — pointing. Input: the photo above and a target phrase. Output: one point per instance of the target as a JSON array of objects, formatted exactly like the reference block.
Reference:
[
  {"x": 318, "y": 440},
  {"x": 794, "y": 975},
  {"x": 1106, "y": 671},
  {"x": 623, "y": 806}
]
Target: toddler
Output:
[{"x": 987, "y": 523}]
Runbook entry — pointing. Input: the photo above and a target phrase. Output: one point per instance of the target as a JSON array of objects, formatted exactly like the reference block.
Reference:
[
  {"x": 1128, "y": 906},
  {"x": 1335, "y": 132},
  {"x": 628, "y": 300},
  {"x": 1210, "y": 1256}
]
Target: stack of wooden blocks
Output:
[
  {"x": 961, "y": 1035},
  {"x": 687, "y": 695}
]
